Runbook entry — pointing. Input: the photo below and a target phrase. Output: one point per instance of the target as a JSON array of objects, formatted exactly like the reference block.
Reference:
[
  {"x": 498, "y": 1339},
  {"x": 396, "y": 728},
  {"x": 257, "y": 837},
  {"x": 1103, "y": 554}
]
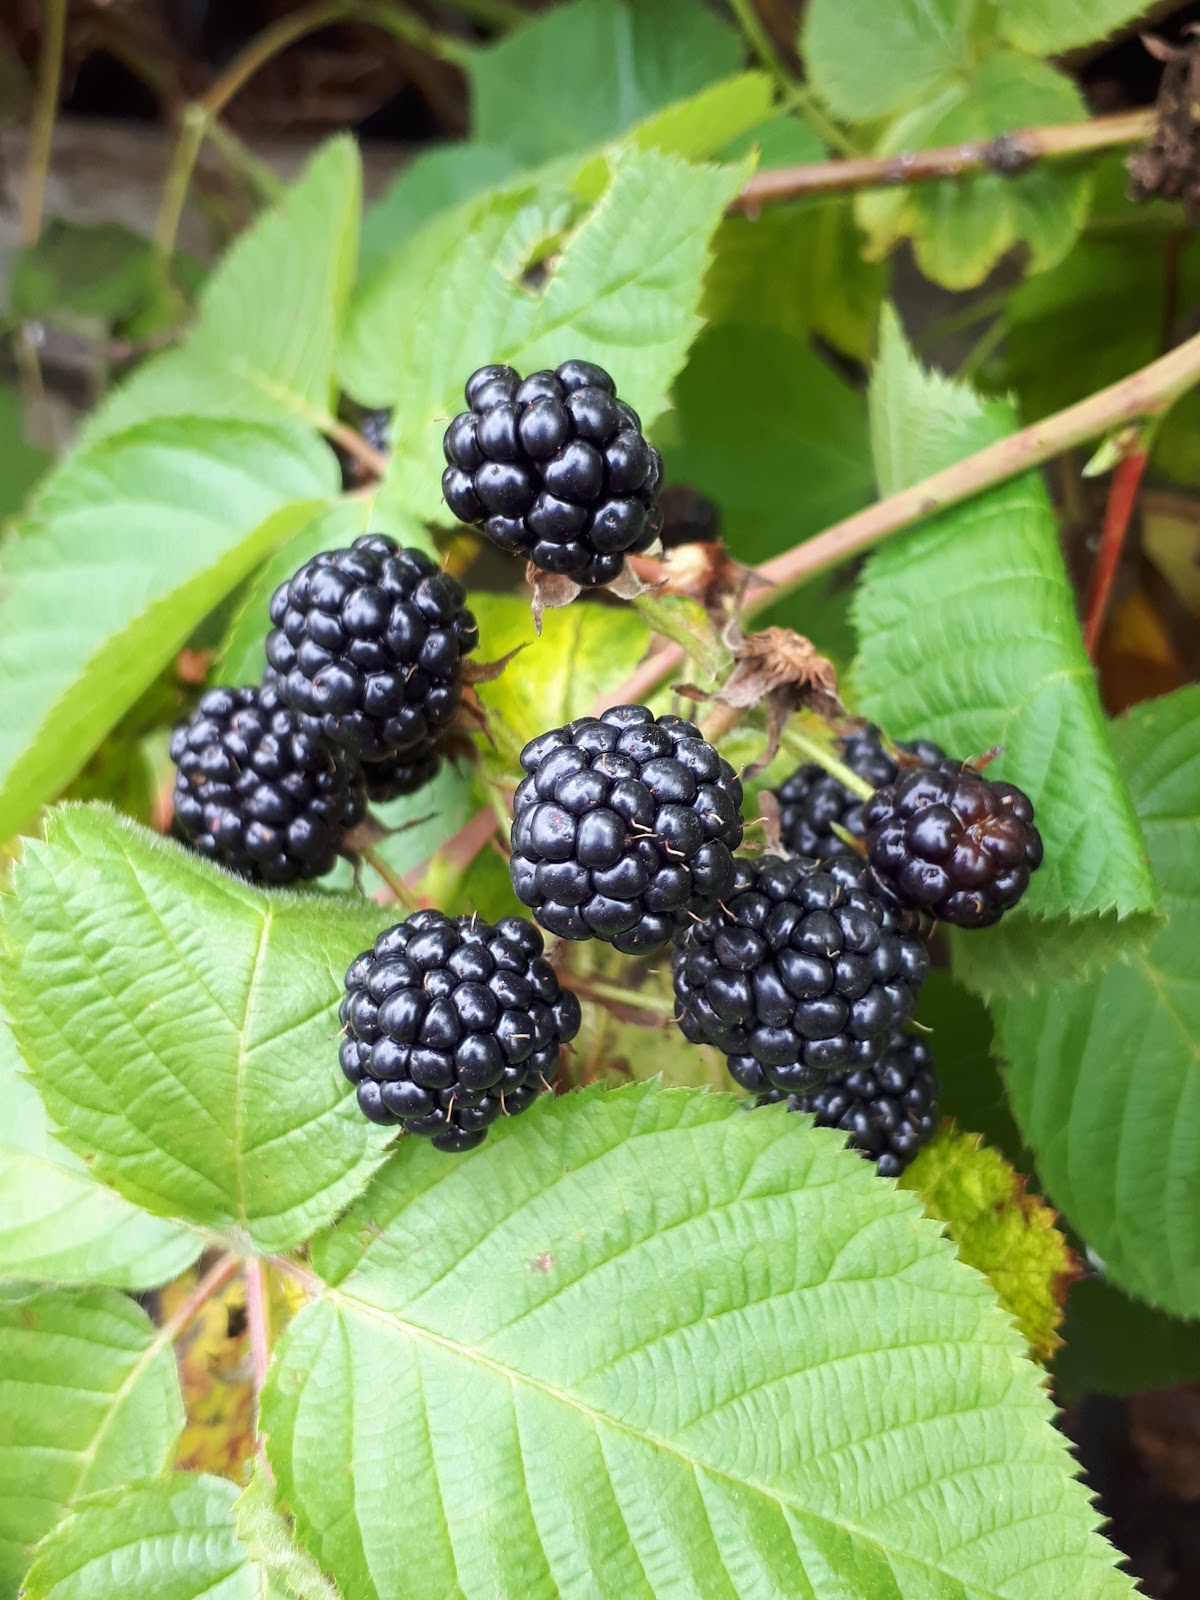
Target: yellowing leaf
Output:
[{"x": 1000, "y": 1228}]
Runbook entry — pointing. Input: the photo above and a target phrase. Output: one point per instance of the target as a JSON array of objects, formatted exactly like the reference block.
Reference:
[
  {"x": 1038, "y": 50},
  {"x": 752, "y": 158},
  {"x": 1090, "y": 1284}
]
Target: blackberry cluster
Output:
[
  {"x": 806, "y": 969},
  {"x": 256, "y": 792},
  {"x": 888, "y": 1108},
  {"x": 812, "y": 800},
  {"x": 451, "y": 1022},
  {"x": 623, "y": 827},
  {"x": 949, "y": 841},
  {"x": 367, "y": 646},
  {"x": 554, "y": 468}
]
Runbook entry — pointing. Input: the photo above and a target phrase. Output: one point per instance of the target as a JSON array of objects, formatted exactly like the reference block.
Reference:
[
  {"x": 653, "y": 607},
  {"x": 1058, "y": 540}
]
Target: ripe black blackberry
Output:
[
  {"x": 812, "y": 800},
  {"x": 951, "y": 842},
  {"x": 889, "y": 1109},
  {"x": 554, "y": 468},
  {"x": 805, "y": 970},
  {"x": 451, "y": 1022},
  {"x": 257, "y": 792},
  {"x": 624, "y": 826},
  {"x": 400, "y": 775},
  {"x": 368, "y": 645}
]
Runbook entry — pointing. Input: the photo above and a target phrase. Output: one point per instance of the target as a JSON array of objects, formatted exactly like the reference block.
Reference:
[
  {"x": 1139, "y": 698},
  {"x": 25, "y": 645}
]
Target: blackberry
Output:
[
  {"x": 368, "y": 645},
  {"x": 805, "y": 970},
  {"x": 812, "y": 800},
  {"x": 451, "y": 1022},
  {"x": 388, "y": 780},
  {"x": 889, "y": 1109},
  {"x": 257, "y": 792},
  {"x": 624, "y": 825},
  {"x": 554, "y": 468},
  {"x": 949, "y": 841}
]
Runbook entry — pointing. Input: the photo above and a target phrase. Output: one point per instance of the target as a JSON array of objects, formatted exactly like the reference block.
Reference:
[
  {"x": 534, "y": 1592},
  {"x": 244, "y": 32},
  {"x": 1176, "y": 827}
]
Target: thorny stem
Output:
[
  {"x": 798, "y": 743},
  {"x": 1122, "y": 494},
  {"x": 41, "y": 135},
  {"x": 258, "y": 1320},
  {"x": 1145, "y": 393},
  {"x": 1009, "y": 154},
  {"x": 394, "y": 881},
  {"x": 213, "y": 1281}
]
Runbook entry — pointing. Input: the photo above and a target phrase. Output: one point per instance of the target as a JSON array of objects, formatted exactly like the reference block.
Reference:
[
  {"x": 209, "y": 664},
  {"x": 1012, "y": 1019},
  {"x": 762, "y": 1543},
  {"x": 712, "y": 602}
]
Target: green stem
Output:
[
  {"x": 597, "y": 989},
  {"x": 761, "y": 43},
  {"x": 41, "y": 133},
  {"x": 800, "y": 745},
  {"x": 804, "y": 101},
  {"x": 394, "y": 881},
  {"x": 403, "y": 25}
]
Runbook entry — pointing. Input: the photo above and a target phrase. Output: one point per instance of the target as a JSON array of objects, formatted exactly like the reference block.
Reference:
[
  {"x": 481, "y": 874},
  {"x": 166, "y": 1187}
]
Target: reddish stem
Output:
[
  {"x": 1122, "y": 494},
  {"x": 210, "y": 1284},
  {"x": 258, "y": 1321}
]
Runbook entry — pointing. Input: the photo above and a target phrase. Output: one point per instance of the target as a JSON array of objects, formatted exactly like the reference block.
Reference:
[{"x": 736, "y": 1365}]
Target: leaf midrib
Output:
[{"x": 601, "y": 1419}]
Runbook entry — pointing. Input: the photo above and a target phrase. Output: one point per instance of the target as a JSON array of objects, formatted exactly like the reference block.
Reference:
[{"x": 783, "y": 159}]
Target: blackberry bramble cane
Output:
[
  {"x": 623, "y": 827},
  {"x": 805, "y": 970},
  {"x": 451, "y": 1022},
  {"x": 554, "y": 468}
]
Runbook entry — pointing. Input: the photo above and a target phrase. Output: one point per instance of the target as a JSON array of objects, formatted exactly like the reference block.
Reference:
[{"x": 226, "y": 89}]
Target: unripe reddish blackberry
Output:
[
  {"x": 804, "y": 970},
  {"x": 889, "y": 1109},
  {"x": 623, "y": 828},
  {"x": 257, "y": 792},
  {"x": 951, "y": 842},
  {"x": 554, "y": 468},
  {"x": 812, "y": 800},
  {"x": 451, "y": 1022}
]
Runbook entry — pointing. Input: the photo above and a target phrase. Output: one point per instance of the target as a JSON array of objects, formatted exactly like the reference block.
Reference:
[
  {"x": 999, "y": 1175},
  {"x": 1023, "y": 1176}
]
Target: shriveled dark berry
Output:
[
  {"x": 624, "y": 826},
  {"x": 946, "y": 839},
  {"x": 889, "y": 1109},
  {"x": 555, "y": 469},
  {"x": 804, "y": 969},
  {"x": 811, "y": 801},
  {"x": 257, "y": 792},
  {"x": 451, "y": 1022},
  {"x": 367, "y": 647}
]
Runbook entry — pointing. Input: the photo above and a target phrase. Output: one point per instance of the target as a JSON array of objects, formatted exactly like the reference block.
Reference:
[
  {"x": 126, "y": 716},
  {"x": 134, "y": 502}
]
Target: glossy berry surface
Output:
[
  {"x": 811, "y": 801},
  {"x": 400, "y": 775},
  {"x": 258, "y": 793},
  {"x": 451, "y": 1022},
  {"x": 889, "y": 1109},
  {"x": 947, "y": 840},
  {"x": 805, "y": 970},
  {"x": 368, "y": 645},
  {"x": 623, "y": 827},
  {"x": 554, "y": 468}
]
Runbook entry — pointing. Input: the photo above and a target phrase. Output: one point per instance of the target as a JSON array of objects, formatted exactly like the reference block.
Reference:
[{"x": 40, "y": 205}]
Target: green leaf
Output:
[
  {"x": 102, "y": 271},
  {"x": 961, "y": 227},
  {"x": 788, "y": 459},
  {"x": 270, "y": 316},
  {"x": 1048, "y": 30},
  {"x": 977, "y": 661},
  {"x": 89, "y": 1397},
  {"x": 706, "y": 123},
  {"x": 173, "y": 1539},
  {"x": 268, "y": 1536},
  {"x": 1115, "y": 1345},
  {"x": 642, "y": 1343},
  {"x": 583, "y": 73},
  {"x": 797, "y": 269},
  {"x": 125, "y": 548},
  {"x": 21, "y": 464},
  {"x": 960, "y": 1036},
  {"x": 1105, "y": 1075},
  {"x": 1000, "y": 1229},
  {"x": 871, "y": 57},
  {"x": 432, "y": 182},
  {"x": 243, "y": 654},
  {"x": 181, "y": 1028},
  {"x": 623, "y": 291},
  {"x": 583, "y": 650},
  {"x": 56, "y": 1221}
]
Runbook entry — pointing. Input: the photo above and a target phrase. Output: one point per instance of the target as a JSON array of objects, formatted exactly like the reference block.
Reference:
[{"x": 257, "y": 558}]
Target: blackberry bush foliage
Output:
[{"x": 429, "y": 1029}]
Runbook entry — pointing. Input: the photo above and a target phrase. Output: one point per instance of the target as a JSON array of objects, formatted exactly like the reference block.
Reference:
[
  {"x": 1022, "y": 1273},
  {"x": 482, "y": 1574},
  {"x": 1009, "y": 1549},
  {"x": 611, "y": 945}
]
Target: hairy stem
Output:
[
  {"x": 1122, "y": 494},
  {"x": 1145, "y": 393},
  {"x": 258, "y": 1321},
  {"x": 45, "y": 109},
  {"x": 1008, "y": 154},
  {"x": 394, "y": 881}
]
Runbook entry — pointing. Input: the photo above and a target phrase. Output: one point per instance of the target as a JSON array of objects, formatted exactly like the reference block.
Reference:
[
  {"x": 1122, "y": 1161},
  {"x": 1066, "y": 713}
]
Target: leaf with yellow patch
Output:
[{"x": 1000, "y": 1228}]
